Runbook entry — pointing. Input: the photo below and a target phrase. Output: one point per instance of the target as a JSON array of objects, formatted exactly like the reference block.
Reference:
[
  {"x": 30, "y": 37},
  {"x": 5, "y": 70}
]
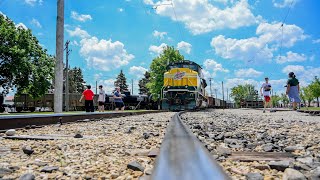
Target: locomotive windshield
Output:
[{"x": 185, "y": 64}]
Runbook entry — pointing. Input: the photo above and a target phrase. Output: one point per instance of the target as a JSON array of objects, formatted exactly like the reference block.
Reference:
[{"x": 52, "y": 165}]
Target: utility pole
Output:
[
  {"x": 58, "y": 84},
  {"x": 227, "y": 94},
  {"x": 222, "y": 94},
  {"x": 67, "y": 76},
  {"x": 131, "y": 86},
  {"x": 215, "y": 90},
  {"x": 96, "y": 87},
  {"x": 210, "y": 79}
]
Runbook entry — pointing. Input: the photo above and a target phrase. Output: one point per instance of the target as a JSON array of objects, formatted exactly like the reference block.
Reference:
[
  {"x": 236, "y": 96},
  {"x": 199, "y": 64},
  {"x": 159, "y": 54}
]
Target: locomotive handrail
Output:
[{"x": 182, "y": 156}]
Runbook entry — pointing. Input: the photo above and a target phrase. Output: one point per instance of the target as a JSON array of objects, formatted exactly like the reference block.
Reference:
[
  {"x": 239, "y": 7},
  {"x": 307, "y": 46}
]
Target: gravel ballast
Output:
[
  {"x": 228, "y": 131},
  {"x": 100, "y": 149}
]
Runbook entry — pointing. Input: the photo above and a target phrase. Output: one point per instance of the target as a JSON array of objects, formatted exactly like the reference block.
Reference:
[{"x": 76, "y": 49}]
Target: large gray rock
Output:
[
  {"x": 223, "y": 151},
  {"x": 49, "y": 169},
  {"x": 314, "y": 174},
  {"x": 268, "y": 147},
  {"x": 279, "y": 165},
  {"x": 27, "y": 150},
  {"x": 306, "y": 160},
  {"x": 291, "y": 174},
  {"x": 27, "y": 176},
  {"x": 5, "y": 171},
  {"x": 78, "y": 135},
  {"x": 135, "y": 166},
  {"x": 293, "y": 148},
  {"x": 254, "y": 176},
  {"x": 11, "y": 132}
]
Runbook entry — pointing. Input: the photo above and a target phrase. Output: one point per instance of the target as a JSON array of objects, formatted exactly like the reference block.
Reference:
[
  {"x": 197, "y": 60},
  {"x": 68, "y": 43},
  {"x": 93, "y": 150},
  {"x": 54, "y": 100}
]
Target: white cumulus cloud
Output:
[
  {"x": 201, "y": 16},
  {"x": 210, "y": 64},
  {"x": 78, "y": 32},
  {"x": 184, "y": 46},
  {"x": 36, "y": 23},
  {"x": 252, "y": 73},
  {"x": 232, "y": 82},
  {"x": 104, "y": 54},
  {"x": 159, "y": 34},
  {"x": 291, "y": 57},
  {"x": 316, "y": 41},
  {"x": 284, "y": 3},
  {"x": 157, "y": 49},
  {"x": 259, "y": 48},
  {"x": 21, "y": 25},
  {"x": 33, "y": 2},
  {"x": 138, "y": 71},
  {"x": 271, "y": 33},
  {"x": 80, "y": 17},
  {"x": 108, "y": 84},
  {"x": 293, "y": 68}
]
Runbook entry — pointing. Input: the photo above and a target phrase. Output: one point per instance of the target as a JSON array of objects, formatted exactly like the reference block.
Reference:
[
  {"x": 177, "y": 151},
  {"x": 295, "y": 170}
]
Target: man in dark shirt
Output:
[{"x": 88, "y": 97}]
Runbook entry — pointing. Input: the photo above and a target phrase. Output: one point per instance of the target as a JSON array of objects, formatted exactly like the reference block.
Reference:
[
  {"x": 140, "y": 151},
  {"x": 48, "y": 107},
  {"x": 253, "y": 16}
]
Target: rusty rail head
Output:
[{"x": 182, "y": 156}]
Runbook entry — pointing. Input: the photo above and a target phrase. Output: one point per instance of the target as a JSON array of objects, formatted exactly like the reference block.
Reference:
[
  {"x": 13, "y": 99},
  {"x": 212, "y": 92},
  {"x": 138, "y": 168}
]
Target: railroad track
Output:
[
  {"x": 182, "y": 156},
  {"x": 248, "y": 146},
  {"x": 315, "y": 113},
  {"x": 36, "y": 121}
]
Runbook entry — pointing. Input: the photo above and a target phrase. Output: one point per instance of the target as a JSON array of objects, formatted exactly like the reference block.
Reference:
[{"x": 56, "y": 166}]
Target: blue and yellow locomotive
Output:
[{"x": 184, "y": 87}]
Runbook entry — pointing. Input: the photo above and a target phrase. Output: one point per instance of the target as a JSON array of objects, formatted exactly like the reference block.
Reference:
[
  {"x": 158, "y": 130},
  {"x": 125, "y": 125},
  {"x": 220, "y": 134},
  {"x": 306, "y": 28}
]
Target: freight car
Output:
[
  {"x": 218, "y": 103},
  {"x": 2, "y": 109},
  {"x": 24, "y": 102}
]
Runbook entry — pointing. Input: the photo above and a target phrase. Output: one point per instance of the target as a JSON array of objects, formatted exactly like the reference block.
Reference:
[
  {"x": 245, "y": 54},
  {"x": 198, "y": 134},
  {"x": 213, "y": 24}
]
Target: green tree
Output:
[
  {"x": 284, "y": 98},
  {"x": 307, "y": 94},
  {"x": 243, "y": 92},
  {"x": 315, "y": 88},
  {"x": 302, "y": 97},
  {"x": 76, "y": 81},
  {"x": 24, "y": 64},
  {"x": 275, "y": 100},
  {"x": 143, "y": 83},
  {"x": 121, "y": 82},
  {"x": 158, "y": 68}
]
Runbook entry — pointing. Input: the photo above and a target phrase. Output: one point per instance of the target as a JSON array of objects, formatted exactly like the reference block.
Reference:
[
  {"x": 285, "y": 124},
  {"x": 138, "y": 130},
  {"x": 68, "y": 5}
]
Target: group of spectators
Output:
[
  {"x": 292, "y": 90},
  {"x": 88, "y": 96}
]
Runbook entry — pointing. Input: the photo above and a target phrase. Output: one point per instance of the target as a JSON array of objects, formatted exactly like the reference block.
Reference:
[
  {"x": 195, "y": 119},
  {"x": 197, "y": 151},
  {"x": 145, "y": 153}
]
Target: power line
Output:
[
  {"x": 174, "y": 12},
  {"x": 175, "y": 15},
  {"x": 281, "y": 27},
  {"x": 284, "y": 20}
]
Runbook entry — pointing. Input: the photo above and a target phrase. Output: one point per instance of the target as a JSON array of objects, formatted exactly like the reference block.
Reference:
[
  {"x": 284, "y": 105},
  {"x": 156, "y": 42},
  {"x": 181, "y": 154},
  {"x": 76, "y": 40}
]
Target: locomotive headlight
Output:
[
  {"x": 168, "y": 87},
  {"x": 186, "y": 87}
]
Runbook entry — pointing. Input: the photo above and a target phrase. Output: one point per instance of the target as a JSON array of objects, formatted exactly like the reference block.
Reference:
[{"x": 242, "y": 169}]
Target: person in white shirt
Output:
[
  {"x": 101, "y": 99},
  {"x": 265, "y": 91}
]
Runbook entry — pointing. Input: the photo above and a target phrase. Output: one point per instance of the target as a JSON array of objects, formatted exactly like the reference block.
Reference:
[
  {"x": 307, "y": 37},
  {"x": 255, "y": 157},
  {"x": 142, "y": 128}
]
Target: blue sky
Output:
[{"x": 236, "y": 41}]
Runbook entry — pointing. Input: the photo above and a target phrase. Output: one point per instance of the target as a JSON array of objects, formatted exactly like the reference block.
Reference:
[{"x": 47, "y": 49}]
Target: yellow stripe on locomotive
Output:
[{"x": 181, "y": 77}]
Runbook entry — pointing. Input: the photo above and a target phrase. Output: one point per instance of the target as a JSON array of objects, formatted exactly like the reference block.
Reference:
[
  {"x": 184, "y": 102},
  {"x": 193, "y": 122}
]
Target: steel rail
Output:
[
  {"x": 183, "y": 157},
  {"x": 22, "y": 121}
]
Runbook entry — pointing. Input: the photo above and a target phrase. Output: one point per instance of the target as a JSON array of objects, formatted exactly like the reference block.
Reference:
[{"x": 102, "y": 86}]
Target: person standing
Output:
[
  {"x": 265, "y": 92},
  {"x": 293, "y": 89},
  {"x": 118, "y": 99},
  {"x": 88, "y": 97},
  {"x": 101, "y": 99}
]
